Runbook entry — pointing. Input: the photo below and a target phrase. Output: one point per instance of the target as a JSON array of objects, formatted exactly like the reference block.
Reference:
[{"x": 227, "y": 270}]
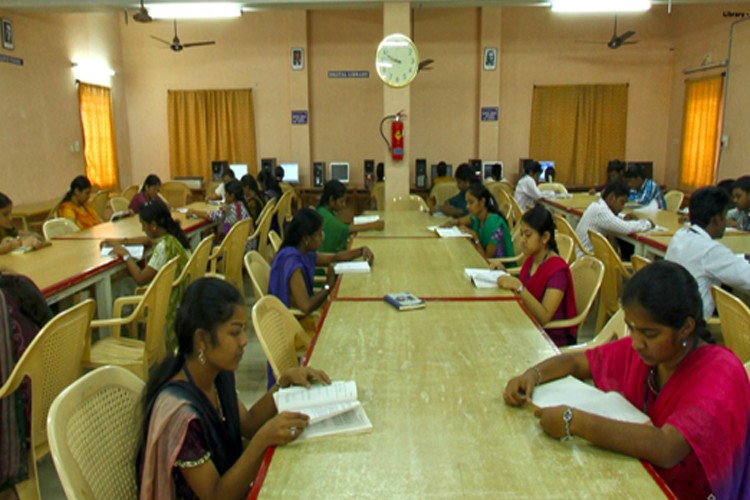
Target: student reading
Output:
[
  {"x": 149, "y": 192},
  {"x": 194, "y": 423},
  {"x": 456, "y": 206},
  {"x": 697, "y": 395},
  {"x": 644, "y": 191},
  {"x": 10, "y": 237},
  {"x": 234, "y": 210},
  {"x": 545, "y": 284},
  {"x": 739, "y": 217},
  {"x": 527, "y": 193},
  {"x": 336, "y": 232},
  {"x": 75, "y": 204}
]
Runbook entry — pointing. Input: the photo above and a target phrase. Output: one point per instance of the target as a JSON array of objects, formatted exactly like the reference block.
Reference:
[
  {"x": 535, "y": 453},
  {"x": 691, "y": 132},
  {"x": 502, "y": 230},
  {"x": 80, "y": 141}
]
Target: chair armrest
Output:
[
  {"x": 713, "y": 320},
  {"x": 563, "y": 323},
  {"x": 104, "y": 323},
  {"x": 297, "y": 313}
]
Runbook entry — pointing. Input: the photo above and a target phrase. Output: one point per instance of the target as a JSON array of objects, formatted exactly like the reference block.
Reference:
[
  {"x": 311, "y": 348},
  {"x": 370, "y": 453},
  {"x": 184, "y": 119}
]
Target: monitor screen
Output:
[
  {"x": 434, "y": 174},
  {"x": 291, "y": 172},
  {"x": 339, "y": 171},
  {"x": 487, "y": 168},
  {"x": 239, "y": 169},
  {"x": 545, "y": 165}
]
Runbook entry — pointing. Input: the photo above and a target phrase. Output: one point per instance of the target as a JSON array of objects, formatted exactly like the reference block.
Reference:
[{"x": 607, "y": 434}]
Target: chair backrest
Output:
[
  {"x": 378, "y": 192},
  {"x": 59, "y": 226},
  {"x": 267, "y": 207},
  {"x": 53, "y": 360},
  {"x": 562, "y": 226},
  {"x": 443, "y": 191},
  {"x": 408, "y": 203},
  {"x": 259, "y": 271},
  {"x": 130, "y": 192},
  {"x": 275, "y": 240},
  {"x": 639, "y": 262},
  {"x": 99, "y": 203},
  {"x": 196, "y": 266},
  {"x": 504, "y": 204},
  {"x": 613, "y": 330},
  {"x": 119, "y": 204},
  {"x": 517, "y": 211},
  {"x": 276, "y": 328},
  {"x": 93, "y": 435},
  {"x": 177, "y": 193},
  {"x": 674, "y": 200},
  {"x": 735, "y": 322},
  {"x": 566, "y": 247},
  {"x": 284, "y": 210},
  {"x": 588, "y": 273},
  {"x": 231, "y": 250},
  {"x": 553, "y": 186},
  {"x": 260, "y": 235},
  {"x": 614, "y": 272}
]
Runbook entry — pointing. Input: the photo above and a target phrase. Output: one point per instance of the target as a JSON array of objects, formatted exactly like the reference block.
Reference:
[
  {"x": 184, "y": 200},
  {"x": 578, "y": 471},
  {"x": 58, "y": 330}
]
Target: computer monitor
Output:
[
  {"x": 434, "y": 174},
  {"x": 545, "y": 165},
  {"x": 239, "y": 169},
  {"x": 291, "y": 172},
  {"x": 339, "y": 170},
  {"x": 487, "y": 168}
]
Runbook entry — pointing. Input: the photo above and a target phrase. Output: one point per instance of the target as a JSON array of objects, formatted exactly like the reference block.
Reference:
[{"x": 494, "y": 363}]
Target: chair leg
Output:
[{"x": 29, "y": 489}]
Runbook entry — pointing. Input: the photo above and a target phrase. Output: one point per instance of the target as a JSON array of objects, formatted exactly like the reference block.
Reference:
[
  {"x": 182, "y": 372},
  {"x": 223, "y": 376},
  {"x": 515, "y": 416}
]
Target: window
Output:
[
  {"x": 700, "y": 131},
  {"x": 98, "y": 134}
]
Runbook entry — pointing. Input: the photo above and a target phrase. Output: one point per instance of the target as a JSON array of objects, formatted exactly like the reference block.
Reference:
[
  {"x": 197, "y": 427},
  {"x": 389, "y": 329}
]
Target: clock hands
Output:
[{"x": 397, "y": 61}]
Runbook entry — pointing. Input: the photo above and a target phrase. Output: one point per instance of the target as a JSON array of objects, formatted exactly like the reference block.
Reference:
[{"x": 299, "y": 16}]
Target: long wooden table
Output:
[
  {"x": 402, "y": 224},
  {"x": 35, "y": 210},
  {"x": 431, "y": 381}
]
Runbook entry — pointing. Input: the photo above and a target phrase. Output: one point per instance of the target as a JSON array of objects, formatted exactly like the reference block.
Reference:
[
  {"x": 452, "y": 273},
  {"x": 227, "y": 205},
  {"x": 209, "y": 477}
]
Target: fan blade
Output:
[
  {"x": 425, "y": 64},
  {"x": 161, "y": 40},
  {"x": 626, "y": 35},
  {"x": 198, "y": 44}
]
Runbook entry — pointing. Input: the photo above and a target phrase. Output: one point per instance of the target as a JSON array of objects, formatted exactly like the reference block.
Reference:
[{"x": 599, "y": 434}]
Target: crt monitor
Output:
[
  {"x": 339, "y": 170},
  {"x": 239, "y": 169},
  {"x": 291, "y": 172},
  {"x": 434, "y": 174},
  {"x": 545, "y": 165},
  {"x": 487, "y": 168}
]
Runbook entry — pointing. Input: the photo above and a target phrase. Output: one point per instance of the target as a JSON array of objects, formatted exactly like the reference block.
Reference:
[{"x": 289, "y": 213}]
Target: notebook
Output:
[{"x": 404, "y": 301}]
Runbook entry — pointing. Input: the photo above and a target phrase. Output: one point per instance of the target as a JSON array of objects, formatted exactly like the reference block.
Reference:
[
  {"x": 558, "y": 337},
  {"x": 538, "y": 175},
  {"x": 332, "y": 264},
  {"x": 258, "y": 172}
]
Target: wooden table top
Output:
[
  {"x": 738, "y": 242},
  {"x": 35, "y": 208},
  {"x": 401, "y": 224},
  {"x": 576, "y": 204},
  {"x": 130, "y": 227},
  {"x": 440, "y": 427},
  {"x": 426, "y": 267}
]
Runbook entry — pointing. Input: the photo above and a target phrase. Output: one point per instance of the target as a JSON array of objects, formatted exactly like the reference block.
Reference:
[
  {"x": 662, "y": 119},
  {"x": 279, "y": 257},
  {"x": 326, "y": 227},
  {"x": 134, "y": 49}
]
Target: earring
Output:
[
  {"x": 202, "y": 357},
  {"x": 684, "y": 343}
]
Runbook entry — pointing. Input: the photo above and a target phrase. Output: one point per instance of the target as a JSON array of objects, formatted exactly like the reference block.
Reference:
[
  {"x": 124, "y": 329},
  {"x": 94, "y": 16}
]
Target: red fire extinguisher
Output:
[{"x": 396, "y": 144}]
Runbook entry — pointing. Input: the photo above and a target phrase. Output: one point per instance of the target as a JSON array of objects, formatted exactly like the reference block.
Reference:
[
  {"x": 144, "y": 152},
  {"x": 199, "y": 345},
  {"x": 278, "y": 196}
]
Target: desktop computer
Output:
[
  {"x": 421, "y": 173},
  {"x": 318, "y": 176}
]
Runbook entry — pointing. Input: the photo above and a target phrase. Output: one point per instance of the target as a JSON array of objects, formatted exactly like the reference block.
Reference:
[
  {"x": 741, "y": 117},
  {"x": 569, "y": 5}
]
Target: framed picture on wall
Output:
[
  {"x": 7, "y": 34},
  {"x": 298, "y": 58},
  {"x": 490, "y": 58}
]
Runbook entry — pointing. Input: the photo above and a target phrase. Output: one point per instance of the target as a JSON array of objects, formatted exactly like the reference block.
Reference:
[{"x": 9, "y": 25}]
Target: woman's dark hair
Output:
[
  {"x": 151, "y": 180},
  {"x": 156, "y": 211},
  {"x": 30, "y": 299},
  {"x": 269, "y": 182},
  {"x": 706, "y": 203},
  {"x": 464, "y": 172},
  {"x": 669, "y": 294},
  {"x": 540, "y": 220},
  {"x": 480, "y": 192},
  {"x": 207, "y": 304},
  {"x": 249, "y": 182},
  {"x": 5, "y": 201},
  {"x": 80, "y": 183},
  {"x": 333, "y": 190},
  {"x": 306, "y": 222},
  {"x": 234, "y": 187}
]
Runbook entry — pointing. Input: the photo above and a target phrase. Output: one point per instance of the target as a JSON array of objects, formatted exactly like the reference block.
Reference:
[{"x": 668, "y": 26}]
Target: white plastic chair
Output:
[{"x": 59, "y": 226}]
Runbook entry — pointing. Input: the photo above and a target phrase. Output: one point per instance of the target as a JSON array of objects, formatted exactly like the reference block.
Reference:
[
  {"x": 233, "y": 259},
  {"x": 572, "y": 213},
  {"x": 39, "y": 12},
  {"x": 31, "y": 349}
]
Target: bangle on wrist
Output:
[
  {"x": 519, "y": 289},
  {"x": 567, "y": 418},
  {"x": 538, "y": 375}
]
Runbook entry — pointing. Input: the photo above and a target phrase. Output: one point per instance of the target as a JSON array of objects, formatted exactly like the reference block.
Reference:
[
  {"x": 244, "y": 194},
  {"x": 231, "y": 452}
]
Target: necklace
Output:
[{"x": 219, "y": 409}]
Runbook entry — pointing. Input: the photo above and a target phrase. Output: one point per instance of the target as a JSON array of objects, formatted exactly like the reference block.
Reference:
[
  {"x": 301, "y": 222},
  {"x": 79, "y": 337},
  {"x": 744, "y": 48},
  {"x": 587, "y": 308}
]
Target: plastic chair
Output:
[
  {"x": 674, "y": 200},
  {"x": 130, "y": 191},
  {"x": 563, "y": 227},
  {"x": 566, "y": 247},
  {"x": 230, "y": 251},
  {"x": 747, "y": 368},
  {"x": 410, "y": 202},
  {"x": 276, "y": 329},
  {"x": 194, "y": 268},
  {"x": 93, "y": 435},
  {"x": 119, "y": 204},
  {"x": 59, "y": 226},
  {"x": 260, "y": 235},
  {"x": 638, "y": 262},
  {"x": 151, "y": 307},
  {"x": 518, "y": 256},
  {"x": 52, "y": 361},
  {"x": 260, "y": 273},
  {"x": 177, "y": 193},
  {"x": 735, "y": 322},
  {"x": 615, "y": 272},
  {"x": 283, "y": 210},
  {"x": 613, "y": 330},
  {"x": 443, "y": 192},
  {"x": 99, "y": 203},
  {"x": 275, "y": 240},
  {"x": 553, "y": 186},
  {"x": 588, "y": 273},
  {"x": 378, "y": 192}
]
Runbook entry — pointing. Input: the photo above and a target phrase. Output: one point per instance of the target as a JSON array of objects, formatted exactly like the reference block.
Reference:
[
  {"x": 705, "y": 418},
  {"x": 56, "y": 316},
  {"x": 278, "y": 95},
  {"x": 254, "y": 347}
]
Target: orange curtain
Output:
[
  {"x": 207, "y": 125},
  {"x": 99, "y": 149},
  {"x": 580, "y": 128},
  {"x": 700, "y": 131}
]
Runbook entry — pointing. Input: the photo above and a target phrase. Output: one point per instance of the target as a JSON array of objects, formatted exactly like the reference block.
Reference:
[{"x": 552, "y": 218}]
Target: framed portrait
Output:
[
  {"x": 7, "y": 26},
  {"x": 490, "y": 58},
  {"x": 298, "y": 58}
]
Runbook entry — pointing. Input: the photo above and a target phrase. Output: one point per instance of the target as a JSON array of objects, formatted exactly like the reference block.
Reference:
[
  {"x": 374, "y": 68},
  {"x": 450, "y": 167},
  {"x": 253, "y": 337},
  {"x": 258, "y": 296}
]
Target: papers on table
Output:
[
  {"x": 570, "y": 391},
  {"x": 483, "y": 278},
  {"x": 555, "y": 195},
  {"x": 658, "y": 229},
  {"x": 22, "y": 249},
  {"x": 182, "y": 210},
  {"x": 366, "y": 219},
  {"x": 449, "y": 232},
  {"x": 135, "y": 251},
  {"x": 354, "y": 267}
]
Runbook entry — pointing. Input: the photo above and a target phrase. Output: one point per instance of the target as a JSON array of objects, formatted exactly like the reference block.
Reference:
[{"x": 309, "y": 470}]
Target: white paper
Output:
[
  {"x": 319, "y": 413},
  {"x": 182, "y": 210},
  {"x": 355, "y": 267},
  {"x": 483, "y": 278},
  {"x": 658, "y": 229},
  {"x": 135, "y": 251},
  {"x": 354, "y": 421},
  {"x": 451, "y": 232},
  {"x": 366, "y": 219},
  {"x": 298, "y": 398}
]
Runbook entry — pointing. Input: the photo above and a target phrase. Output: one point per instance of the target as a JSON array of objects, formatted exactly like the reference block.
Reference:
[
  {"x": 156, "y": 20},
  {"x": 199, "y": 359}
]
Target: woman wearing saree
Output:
[{"x": 697, "y": 395}]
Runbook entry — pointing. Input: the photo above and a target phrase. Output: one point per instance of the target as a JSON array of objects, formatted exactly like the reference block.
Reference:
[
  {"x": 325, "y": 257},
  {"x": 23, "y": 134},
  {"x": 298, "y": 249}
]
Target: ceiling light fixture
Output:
[
  {"x": 194, "y": 10},
  {"x": 592, "y": 6}
]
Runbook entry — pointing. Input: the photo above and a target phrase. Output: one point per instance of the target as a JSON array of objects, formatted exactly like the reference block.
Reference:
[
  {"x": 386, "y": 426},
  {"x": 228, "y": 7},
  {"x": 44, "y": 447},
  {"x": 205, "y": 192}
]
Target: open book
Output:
[
  {"x": 354, "y": 267},
  {"x": 483, "y": 278},
  {"x": 365, "y": 219},
  {"x": 333, "y": 409},
  {"x": 449, "y": 232},
  {"x": 135, "y": 251},
  {"x": 570, "y": 391}
]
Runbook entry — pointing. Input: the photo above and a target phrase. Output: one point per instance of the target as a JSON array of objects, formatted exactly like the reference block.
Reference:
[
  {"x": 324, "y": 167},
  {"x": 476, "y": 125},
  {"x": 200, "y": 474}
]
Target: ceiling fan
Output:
[
  {"x": 142, "y": 15},
  {"x": 176, "y": 45},
  {"x": 617, "y": 40}
]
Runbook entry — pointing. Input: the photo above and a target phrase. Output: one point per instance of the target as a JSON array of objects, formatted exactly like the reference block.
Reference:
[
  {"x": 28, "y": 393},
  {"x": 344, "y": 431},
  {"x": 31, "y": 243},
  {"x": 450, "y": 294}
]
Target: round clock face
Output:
[{"x": 397, "y": 60}]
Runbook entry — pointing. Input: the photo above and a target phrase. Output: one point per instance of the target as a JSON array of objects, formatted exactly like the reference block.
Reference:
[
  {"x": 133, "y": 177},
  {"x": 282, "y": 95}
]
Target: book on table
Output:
[
  {"x": 353, "y": 267},
  {"x": 569, "y": 391},
  {"x": 449, "y": 232},
  {"x": 404, "y": 301},
  {"x": 135, "y": 251},
  {"x": 483, "y": 278},
  {"x": 365, "y": 219},
  {"x": 333, "y": 409}
]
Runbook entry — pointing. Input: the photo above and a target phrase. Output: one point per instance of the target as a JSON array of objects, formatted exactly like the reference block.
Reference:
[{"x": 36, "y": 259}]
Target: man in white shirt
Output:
[
  {"x": 710, "y": 262},
  {"x": 527, "y": 193},
  {"x": 601, "y": 216}
]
